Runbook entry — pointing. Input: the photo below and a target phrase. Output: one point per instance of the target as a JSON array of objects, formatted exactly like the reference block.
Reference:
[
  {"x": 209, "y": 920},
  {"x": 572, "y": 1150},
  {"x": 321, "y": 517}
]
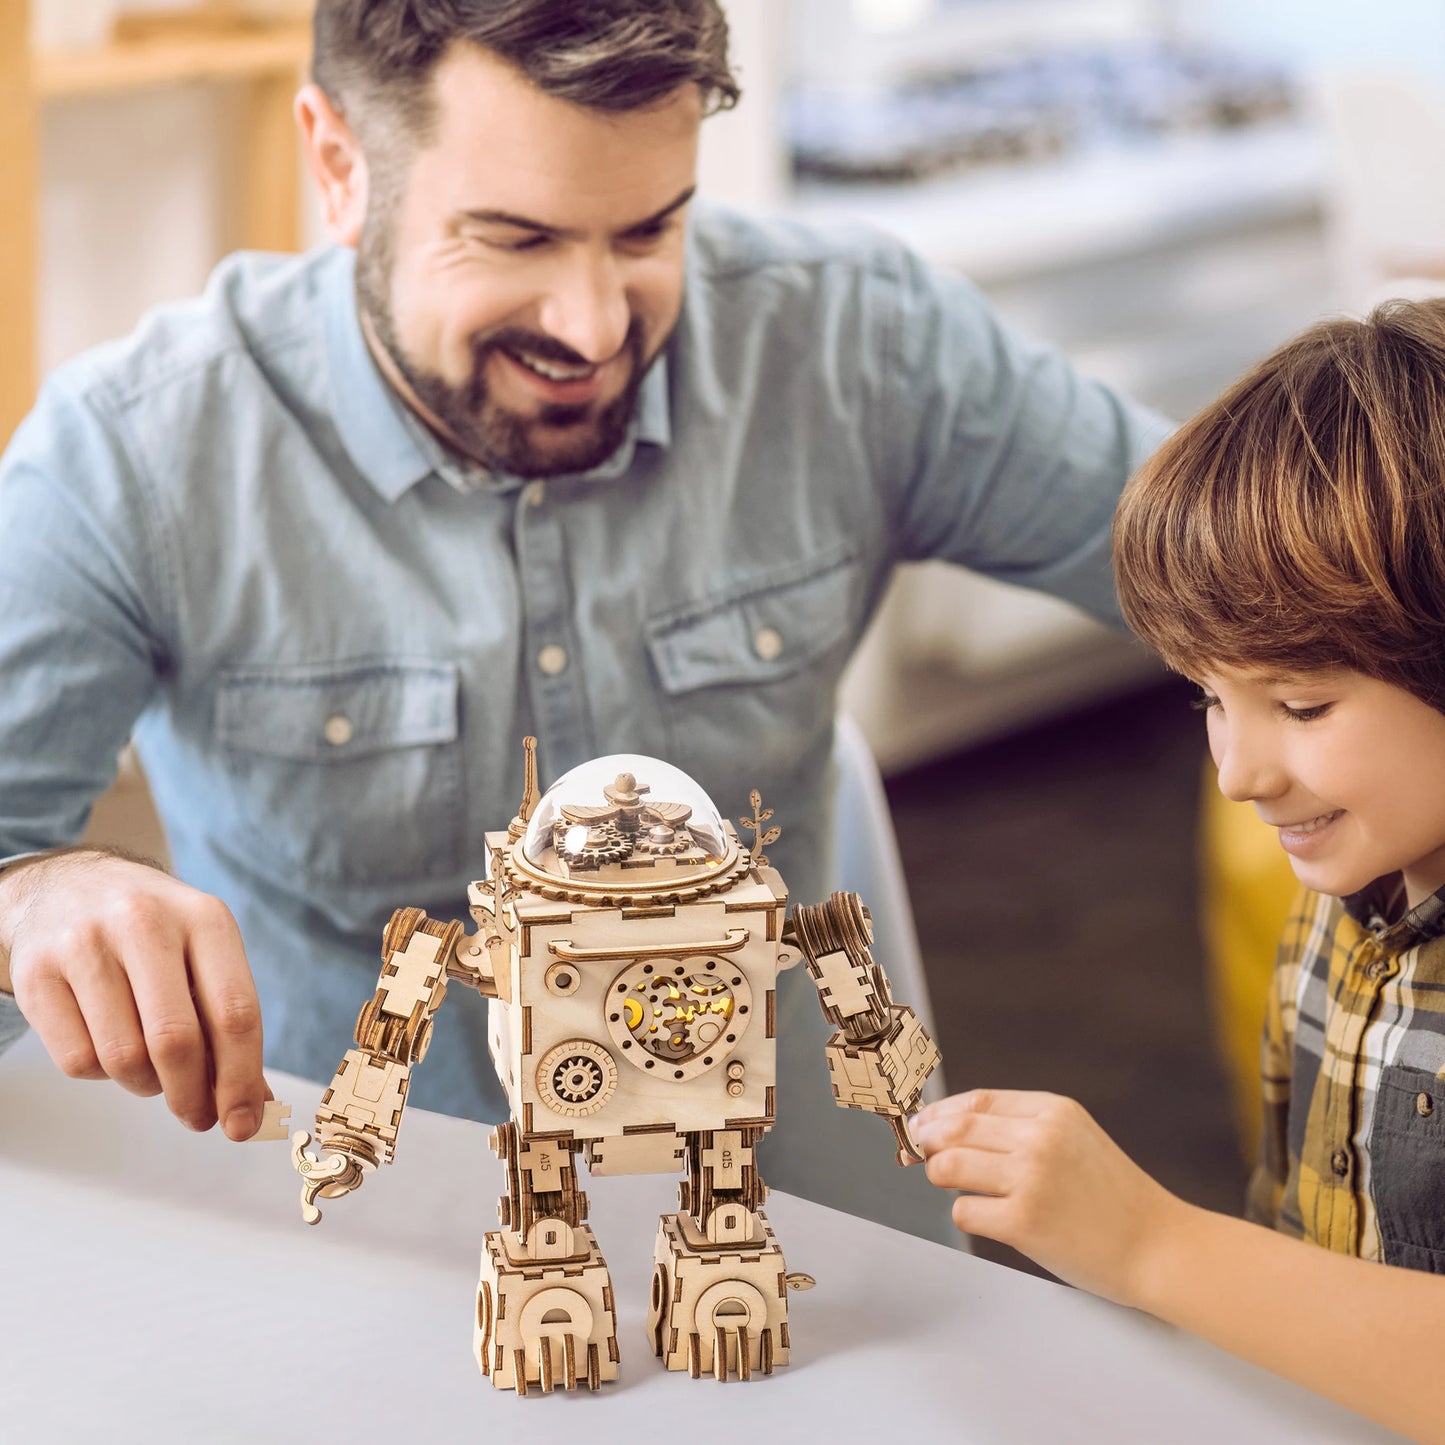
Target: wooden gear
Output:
[{"x": 630, "y": 946}]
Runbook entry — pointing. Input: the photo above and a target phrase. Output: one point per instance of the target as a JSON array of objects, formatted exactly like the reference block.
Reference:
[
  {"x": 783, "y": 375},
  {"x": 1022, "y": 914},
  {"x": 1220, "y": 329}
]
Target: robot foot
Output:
[
  {"x": 719, "y": 1296},
  {"x": 545, "y": 1322}
]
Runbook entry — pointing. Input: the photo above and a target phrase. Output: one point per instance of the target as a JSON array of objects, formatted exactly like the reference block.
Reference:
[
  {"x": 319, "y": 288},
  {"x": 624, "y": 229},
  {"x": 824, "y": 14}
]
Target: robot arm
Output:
[
  {"x": 881, "y": 1056},
  {"x": 360, "y": 1113}
]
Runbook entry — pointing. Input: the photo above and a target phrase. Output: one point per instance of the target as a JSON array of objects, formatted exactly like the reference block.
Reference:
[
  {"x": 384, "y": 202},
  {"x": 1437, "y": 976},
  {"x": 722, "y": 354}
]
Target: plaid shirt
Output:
[{"x": 1354, "y": 1078}]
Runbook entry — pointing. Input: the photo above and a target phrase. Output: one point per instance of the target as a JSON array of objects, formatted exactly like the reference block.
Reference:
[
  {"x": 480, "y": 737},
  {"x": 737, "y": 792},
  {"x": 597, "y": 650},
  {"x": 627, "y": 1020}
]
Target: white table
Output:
[{"x": 160, "y": 1286}]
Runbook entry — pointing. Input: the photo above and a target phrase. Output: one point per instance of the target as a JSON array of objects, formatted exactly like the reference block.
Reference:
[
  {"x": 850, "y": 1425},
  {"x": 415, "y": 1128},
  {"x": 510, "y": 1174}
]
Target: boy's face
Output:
[{"x": 1350, "y": 770}]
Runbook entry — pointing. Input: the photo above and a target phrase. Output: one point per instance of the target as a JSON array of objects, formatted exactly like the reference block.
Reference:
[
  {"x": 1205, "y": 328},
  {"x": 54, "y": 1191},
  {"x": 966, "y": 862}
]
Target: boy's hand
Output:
[
  {"x": 127, "y": 974},
  {"x": 1044, "y": 1178}
]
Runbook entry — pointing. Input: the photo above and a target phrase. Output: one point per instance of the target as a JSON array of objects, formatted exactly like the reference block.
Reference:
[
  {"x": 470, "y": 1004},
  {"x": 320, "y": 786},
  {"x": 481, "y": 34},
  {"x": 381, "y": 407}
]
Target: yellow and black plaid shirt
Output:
[{"x": 1354, "y": 1078}]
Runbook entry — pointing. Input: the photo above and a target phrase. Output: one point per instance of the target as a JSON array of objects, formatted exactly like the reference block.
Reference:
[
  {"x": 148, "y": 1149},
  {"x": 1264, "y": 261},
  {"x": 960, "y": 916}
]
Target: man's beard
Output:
[{"x": 560, "y": 439}]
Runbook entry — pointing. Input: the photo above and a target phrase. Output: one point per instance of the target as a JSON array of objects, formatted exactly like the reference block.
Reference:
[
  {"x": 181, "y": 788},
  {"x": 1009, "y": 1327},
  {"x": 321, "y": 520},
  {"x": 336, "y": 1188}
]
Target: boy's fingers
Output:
[
  {"x": 991, "y": 1132},
  {"x": 231, "y": 1016},
  {"x": 978, "y": 1170},
  {"x": 981, "y": 1214},
  {"x": 1015, "y": 1103}
]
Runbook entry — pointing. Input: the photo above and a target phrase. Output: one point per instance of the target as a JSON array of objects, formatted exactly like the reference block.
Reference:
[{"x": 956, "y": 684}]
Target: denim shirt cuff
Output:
[{"x": 12, "y": 1021}]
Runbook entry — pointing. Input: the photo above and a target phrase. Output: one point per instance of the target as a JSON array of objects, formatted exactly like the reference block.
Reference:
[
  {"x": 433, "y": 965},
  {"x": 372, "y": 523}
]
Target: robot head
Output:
[
  {"x": 644, "y": 955},
  {"x": 628, "y": 823}
]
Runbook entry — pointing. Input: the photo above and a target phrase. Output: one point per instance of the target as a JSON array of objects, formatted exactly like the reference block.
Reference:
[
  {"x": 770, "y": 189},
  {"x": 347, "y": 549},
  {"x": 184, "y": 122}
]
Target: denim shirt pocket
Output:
[
  {"x": 347, "y": 773},
  {"x": 1407, "y": 1167},
  {"x": 751, "y": 664}
]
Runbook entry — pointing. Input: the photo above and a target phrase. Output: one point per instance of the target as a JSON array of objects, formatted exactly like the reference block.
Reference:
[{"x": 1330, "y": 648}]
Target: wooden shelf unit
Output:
[
  {"x": 267, "y": 59},
  {"x": 18, "y": 239},
  {"x": 242, "y": 52}
]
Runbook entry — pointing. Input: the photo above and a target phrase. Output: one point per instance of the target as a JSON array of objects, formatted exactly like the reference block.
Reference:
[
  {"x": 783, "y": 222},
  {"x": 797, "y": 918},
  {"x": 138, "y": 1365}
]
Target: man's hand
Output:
[
  {"x": 129, "y": 975},
  {"x": 1044, "y": 1178}
]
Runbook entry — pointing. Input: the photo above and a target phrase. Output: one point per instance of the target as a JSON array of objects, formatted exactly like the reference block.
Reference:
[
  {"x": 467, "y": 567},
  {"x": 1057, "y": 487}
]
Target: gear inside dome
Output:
[{"x": 625, "y": 816}]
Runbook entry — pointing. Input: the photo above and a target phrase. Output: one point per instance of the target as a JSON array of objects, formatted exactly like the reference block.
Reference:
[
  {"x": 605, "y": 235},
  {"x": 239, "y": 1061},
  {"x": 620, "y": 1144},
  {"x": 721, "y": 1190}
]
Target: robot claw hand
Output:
[
  {"x": 886, "y": 1075},
  {"x": 335, "y": 1173}
]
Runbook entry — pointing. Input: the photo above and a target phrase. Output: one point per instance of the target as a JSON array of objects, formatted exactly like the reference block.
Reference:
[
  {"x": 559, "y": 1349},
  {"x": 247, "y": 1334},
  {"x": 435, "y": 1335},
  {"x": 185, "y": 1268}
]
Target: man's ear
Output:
[{"x": 336, "y": 162}]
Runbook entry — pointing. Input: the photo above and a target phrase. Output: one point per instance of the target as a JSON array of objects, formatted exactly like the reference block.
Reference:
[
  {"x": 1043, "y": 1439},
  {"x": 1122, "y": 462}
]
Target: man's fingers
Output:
[
  {"x": 155, "y": 956},
  {"x": 50, "y": 1008},
  {"x": 104, "y": 996},
  {"x": 128, "y": 974},
  {"x": 231, "y": 1016}
]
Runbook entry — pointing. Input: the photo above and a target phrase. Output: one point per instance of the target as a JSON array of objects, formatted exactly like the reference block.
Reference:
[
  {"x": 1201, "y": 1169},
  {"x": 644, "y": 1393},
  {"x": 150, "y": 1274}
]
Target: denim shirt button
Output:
[
  {"x": 1424, "y": 1105},
  {"x": 767, "y": 643},
  {"x": 552, "y": 659},
  {"x": 338, "y": 731},
  {"x": 536, "y": 493}
]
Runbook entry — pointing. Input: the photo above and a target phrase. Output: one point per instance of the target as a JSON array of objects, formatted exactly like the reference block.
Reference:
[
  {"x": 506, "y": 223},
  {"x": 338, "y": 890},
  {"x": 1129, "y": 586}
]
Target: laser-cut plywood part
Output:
[
  {"x": 630, "y": 946},
  {"x": 275, "y": 1122}
]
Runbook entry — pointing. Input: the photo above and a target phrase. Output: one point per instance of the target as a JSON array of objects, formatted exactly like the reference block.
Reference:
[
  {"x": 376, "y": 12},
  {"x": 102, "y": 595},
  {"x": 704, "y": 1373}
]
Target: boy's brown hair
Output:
[{"x": 1298, "y": 523}]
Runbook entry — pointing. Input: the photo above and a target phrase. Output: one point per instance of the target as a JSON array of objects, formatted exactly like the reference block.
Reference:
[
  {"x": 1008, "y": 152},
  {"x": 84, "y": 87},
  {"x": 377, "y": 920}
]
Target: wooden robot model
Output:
[{"x": 630, "y": 946}]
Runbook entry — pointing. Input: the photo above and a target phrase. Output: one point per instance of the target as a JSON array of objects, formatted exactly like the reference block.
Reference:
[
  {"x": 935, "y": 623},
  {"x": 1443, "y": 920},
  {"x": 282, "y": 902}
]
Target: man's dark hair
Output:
[{"x": 609, "y": 55}]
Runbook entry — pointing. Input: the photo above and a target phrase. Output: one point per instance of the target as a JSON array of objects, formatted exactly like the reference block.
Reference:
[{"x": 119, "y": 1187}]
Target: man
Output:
[{"x": 538, "y": 447}]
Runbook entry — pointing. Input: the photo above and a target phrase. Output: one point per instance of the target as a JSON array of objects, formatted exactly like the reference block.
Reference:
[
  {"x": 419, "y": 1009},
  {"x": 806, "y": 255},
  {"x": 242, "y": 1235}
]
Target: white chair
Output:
[
  {"x": 1386, "y": 208},
  {"x": 866, "y": 862}
]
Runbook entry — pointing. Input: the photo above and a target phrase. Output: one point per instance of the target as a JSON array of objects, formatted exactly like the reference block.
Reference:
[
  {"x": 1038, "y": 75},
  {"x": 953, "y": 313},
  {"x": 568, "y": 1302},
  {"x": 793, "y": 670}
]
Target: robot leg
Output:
[
  {"x": 719, "y": 1283},
  {"x": 545, "y": 1313}
]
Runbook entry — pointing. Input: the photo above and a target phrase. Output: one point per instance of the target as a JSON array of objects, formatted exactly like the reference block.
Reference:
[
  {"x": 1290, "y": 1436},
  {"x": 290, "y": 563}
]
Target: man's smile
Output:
[{"x": 559, "y": 383}]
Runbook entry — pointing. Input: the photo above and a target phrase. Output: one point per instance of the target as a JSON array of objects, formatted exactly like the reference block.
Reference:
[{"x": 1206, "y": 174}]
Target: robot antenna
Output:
[{"x": 530, "y": 793}]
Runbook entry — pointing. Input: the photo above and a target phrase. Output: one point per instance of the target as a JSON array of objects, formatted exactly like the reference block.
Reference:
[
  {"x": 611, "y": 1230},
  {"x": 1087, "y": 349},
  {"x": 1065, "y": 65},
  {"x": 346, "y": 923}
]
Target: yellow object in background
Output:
[{"x": 1246, "y": 888}]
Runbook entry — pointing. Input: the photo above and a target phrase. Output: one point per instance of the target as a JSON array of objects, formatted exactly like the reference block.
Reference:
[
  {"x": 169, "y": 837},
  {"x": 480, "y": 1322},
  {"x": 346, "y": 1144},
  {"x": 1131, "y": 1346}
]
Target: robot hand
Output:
[
  {"x": 881, "y": 1056},
  {"x": 886, "y": 1075},
  {"x": 336, "y": 1172}
]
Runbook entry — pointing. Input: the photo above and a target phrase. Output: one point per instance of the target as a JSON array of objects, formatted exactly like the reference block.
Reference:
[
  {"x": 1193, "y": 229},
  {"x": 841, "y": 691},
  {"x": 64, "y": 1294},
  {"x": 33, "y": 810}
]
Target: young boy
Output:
[{"x": 1286, "y": 551}]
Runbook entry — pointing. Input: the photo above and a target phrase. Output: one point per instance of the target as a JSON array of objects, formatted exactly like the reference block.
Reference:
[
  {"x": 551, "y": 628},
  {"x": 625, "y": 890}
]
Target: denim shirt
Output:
[{"x": 226, "y": 535}]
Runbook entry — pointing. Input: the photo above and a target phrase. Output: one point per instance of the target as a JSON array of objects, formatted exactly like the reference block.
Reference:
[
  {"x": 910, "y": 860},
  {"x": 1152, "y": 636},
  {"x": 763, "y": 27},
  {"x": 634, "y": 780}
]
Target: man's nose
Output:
[{"x": 587, "y": 308}]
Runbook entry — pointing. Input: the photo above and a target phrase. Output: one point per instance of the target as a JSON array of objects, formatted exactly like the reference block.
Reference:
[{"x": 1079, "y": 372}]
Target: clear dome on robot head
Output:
[{"x": 618, "y": 806}]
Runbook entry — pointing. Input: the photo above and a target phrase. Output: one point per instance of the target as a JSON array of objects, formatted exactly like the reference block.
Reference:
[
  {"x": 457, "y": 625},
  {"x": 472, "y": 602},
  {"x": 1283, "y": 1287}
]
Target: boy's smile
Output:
[
  {"x": 1298, "y": 839},
  {"x": 1349, "y": 769}
]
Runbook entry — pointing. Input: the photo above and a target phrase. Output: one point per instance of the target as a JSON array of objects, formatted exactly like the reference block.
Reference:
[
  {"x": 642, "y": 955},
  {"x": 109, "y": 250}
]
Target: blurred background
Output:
[{"x": 1165, "y": 188}]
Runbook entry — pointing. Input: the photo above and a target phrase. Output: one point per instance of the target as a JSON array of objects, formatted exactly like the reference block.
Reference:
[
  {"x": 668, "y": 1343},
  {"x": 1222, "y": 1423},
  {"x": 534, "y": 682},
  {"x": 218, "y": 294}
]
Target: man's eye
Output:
[
  {"x": 514, "y": 243},
  {"x": 646, "y": 235},
  {"x": 1305, "y": 714}
]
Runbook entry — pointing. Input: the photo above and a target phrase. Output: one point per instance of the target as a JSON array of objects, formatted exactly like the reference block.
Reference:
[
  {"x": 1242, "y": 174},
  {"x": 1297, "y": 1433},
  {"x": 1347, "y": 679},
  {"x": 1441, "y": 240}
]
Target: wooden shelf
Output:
[
  {"x": 242, "y": 52},
  {"x": 264, "y": 59}
]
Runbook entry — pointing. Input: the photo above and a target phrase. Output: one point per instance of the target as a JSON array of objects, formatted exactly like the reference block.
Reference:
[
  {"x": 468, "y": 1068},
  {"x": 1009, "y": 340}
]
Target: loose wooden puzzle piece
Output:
[
  {"x": 275, "y": 1122},
  {"x": 630, "y": 947}
]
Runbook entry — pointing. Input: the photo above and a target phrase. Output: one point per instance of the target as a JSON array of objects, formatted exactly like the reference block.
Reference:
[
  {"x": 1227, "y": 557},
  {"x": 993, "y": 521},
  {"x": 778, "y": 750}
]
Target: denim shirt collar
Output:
[{"x": 394, "y": 450}]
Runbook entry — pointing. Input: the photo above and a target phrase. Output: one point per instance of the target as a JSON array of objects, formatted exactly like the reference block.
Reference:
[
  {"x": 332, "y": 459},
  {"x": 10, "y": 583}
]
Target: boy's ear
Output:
[{"x": 336, "y": 162}]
